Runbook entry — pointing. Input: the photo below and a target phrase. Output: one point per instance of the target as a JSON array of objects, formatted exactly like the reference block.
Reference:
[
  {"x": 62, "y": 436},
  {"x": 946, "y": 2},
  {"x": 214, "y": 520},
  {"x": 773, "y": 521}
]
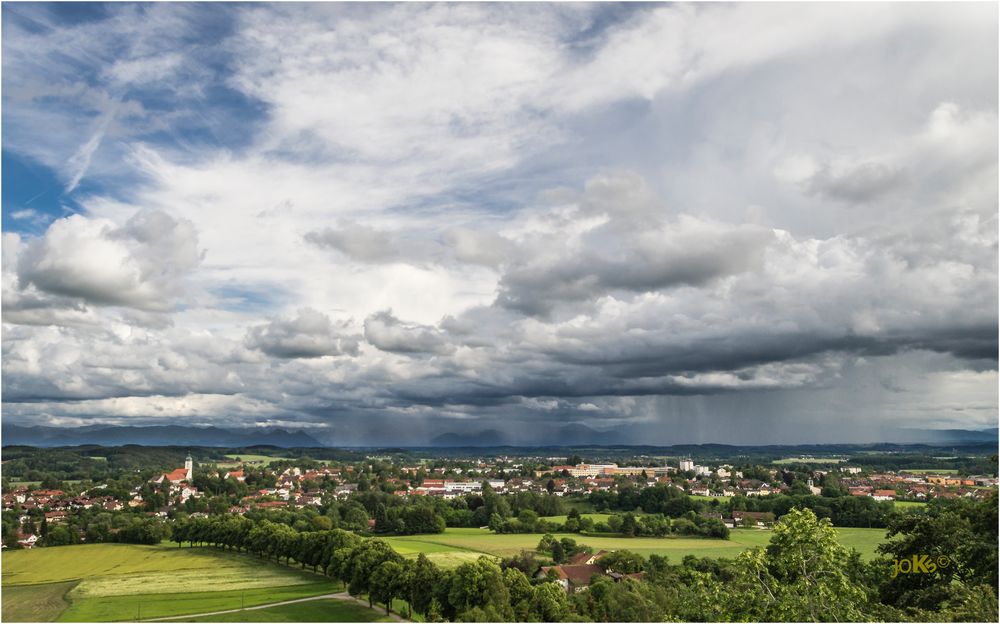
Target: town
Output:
[{"x": 237, "y": 487}]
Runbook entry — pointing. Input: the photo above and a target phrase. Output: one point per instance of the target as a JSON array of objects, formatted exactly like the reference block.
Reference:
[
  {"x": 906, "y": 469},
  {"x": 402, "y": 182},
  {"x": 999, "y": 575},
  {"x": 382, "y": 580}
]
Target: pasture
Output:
[
  {"x": 108, "y": 582},
  {"x": 455, "y": 545}
]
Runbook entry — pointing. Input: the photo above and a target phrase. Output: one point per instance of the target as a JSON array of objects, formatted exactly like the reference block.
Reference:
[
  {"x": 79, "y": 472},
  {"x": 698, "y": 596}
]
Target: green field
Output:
[
  {"x": 313, "y": 611},
  {"x": 256, "y": 460},
  {"x": 123, "y": 581},
  {"x": 457, "y": 545},
  {"x": 148, "y": 605},
  {"x": 809, "y": 460},
  {"x": 908, "y": 504},
  {"x": 30, "y": 484},
  {"x": 596, "y": 517},
  {"x": 35, "y": 603},
  {"x": 943, "y": 471}
]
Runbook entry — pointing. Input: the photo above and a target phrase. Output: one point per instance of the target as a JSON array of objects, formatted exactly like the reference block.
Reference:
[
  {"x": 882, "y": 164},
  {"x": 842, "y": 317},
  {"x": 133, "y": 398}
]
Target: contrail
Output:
[{"x": 80, "y": 161}]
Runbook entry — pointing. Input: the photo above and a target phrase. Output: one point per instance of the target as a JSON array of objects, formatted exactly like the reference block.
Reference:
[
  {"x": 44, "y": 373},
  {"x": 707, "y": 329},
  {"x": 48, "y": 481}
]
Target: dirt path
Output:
[{"x": 338, "y": 596}]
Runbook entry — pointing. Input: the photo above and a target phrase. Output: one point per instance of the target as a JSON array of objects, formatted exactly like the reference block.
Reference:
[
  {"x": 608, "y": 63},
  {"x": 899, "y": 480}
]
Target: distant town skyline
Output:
[{"x": 384, "y": 223}]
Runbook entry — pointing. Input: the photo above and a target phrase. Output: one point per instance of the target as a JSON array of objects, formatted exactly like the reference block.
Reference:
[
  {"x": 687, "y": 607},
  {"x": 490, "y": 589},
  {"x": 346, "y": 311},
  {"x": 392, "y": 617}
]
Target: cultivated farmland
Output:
[{"x": 109, "y": 582}]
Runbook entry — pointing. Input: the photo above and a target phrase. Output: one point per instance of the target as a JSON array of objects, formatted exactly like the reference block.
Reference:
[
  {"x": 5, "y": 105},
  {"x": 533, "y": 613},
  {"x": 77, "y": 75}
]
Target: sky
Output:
[{"x": 538, "y": 223}]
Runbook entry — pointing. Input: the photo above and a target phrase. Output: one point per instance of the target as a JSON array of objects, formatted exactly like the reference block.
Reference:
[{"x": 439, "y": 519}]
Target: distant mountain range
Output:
[
  {"x": 561, "y": 435},
  {"x": 943, "y": 436},
  {"x": 547, "y": 435},
  {"x": 165, "y": 435}
]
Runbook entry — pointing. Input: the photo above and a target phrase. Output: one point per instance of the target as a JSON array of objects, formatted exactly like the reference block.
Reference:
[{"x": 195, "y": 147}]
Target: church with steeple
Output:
[{"x": 179, "y": 475}]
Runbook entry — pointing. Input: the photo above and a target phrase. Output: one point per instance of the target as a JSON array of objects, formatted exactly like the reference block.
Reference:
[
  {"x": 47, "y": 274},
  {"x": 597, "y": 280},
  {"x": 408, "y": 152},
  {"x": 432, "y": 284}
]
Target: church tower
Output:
[{"x": 189, "y": 467}]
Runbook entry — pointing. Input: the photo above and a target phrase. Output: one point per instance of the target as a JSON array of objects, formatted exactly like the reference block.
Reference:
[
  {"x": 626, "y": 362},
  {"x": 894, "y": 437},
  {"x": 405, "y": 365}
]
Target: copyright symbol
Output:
[{"x": 943, "y": 561}]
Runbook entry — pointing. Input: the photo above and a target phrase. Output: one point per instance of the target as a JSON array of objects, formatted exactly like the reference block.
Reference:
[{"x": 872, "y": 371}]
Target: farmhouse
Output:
[
  {"x": 576, "y": 575},
  {"x": 760, "y": 519},
  {"x": 570, "y": 577}
]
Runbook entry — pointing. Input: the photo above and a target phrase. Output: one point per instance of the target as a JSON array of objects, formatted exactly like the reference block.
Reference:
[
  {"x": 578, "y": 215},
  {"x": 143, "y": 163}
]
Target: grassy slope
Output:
[
  {"x": 35, "y": 603},
  {"x": 113, "y": 608},
  {"x": 313, "y": 611}
]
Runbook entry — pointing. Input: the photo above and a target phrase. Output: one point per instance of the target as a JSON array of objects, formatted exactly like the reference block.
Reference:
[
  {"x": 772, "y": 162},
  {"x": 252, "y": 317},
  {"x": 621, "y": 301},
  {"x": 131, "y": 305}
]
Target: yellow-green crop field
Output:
[{"x": 113, "y": 582}]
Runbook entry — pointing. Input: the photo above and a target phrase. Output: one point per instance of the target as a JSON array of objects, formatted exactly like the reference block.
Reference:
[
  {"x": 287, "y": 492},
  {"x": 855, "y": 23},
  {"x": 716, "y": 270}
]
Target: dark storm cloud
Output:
[{"x": 613, "y": 261}]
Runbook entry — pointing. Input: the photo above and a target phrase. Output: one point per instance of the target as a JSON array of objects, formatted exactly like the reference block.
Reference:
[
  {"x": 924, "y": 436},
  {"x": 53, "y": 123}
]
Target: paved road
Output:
[{"x": 339, "y": 596}]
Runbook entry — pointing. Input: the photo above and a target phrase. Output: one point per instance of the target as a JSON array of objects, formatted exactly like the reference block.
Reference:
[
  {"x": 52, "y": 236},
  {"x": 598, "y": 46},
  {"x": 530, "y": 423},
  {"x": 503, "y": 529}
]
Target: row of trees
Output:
[
  {"x": 629, "y": 525},
  {"x": 845, "y": 511},
  {"x": 475, "y": 591}
]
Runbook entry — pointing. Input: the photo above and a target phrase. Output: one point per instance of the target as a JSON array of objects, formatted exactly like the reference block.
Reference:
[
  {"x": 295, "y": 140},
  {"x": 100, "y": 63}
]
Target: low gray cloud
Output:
[
  {"x": 309, "y": 334},
  {"x": 388, "y": 333},
  {"x": 637, "y": 248},
  {"x": 357, "y": 241},
  {"x": 857, "y": 184}
]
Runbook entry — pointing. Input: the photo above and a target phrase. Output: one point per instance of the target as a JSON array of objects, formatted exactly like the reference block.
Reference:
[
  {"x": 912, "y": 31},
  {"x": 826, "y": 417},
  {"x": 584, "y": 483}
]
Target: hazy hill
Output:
[{"x": 166, "y": 435}]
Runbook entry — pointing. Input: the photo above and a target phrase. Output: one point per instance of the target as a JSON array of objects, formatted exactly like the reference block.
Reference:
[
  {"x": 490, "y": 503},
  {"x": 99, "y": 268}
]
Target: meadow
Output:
[
  {"x": 456, "y": 546},
  {"x": 108, "y": 582}
]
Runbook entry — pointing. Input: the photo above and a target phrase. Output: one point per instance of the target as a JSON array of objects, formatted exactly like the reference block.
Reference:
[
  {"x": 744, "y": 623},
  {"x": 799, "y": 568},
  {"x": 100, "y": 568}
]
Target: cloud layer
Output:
[{"x": 390, "y": 222}]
